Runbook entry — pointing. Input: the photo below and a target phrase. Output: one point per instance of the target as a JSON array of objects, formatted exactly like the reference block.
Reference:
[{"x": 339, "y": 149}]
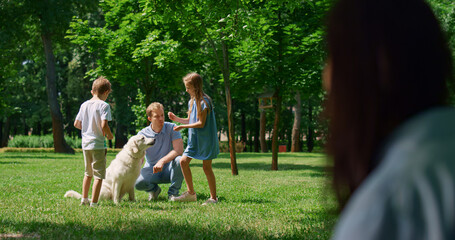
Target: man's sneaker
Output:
[
  {"x": 171, "y": 196},
  {"x": 154, "y": 195},
  {"x": 84, "y": 201},
  {"x": 185, "y": 197},
  {"x": 210, "y": 201},
  {"x": 94, "y": 205}
]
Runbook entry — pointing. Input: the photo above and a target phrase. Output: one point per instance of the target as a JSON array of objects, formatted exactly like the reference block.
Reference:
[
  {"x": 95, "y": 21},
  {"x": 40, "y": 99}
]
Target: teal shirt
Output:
[
  {"x": 202, "y": 142},
  {"x": 411, "y": 194}
]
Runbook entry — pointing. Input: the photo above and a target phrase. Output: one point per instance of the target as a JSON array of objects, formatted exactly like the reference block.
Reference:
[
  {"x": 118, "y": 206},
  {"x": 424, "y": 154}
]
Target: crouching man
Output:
[{"x": 162, "y": 159}]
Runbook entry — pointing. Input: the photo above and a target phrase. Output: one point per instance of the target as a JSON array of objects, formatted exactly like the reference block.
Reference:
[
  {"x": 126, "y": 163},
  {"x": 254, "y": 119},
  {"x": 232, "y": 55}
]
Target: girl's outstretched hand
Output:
[
  {"x": 171, "y": 115},
  {"x": 178, "y": 128}
]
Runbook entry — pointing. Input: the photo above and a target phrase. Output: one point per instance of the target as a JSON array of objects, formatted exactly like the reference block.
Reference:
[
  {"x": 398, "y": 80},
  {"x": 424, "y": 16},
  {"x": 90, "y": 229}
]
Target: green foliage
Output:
[
  {"x": 293, "y": 203},
  {"x": 150, "y": 45},
  {"x": 45, "y": 141},
  {"x": 134, "y": 51},
  {"x": 162, "y": 51},
  {"x": 139, "y": 111},
  {"x": 445, "y": 12}
]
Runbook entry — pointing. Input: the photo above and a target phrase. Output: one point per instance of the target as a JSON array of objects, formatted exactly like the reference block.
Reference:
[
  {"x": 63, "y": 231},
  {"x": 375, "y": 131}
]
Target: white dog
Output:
[{"x": 123, "y": 171}]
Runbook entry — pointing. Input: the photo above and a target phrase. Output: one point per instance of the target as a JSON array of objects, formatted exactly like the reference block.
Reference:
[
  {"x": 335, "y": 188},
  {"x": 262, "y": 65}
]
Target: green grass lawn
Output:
[{"x": 292, "y": 203}]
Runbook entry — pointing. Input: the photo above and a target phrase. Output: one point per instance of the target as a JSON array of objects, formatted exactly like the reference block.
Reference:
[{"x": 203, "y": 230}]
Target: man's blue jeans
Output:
[{"x": 172, "y": 173}]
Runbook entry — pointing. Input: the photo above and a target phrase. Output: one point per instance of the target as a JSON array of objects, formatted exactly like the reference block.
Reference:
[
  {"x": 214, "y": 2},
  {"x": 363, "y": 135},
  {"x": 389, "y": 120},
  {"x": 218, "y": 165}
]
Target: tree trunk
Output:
[
  {"x": 256, "y": 135},
  {"x": 38, "y": 128},
  {"x": 250, "y": 141},
  {"x": 1, "y": 133},
  {"x": 60, "y": 145},
  {"x": 5, "y": 132},
  {"x": 24, "y": 125},
  {"x": 276, "y": 124},
  {"x": 224, "y": 66},
  {"x": 276, "y": 131},
  {"x": 120, "y": 136},
  {"x": 295, "y": 147},
  {"x": 243, "y": 124},
  {"x": 69, "y": 117},
  {"x": 262, "y": 132},
  {"x": 310, "y": 135},
  {"x": 227, "y": 90}
]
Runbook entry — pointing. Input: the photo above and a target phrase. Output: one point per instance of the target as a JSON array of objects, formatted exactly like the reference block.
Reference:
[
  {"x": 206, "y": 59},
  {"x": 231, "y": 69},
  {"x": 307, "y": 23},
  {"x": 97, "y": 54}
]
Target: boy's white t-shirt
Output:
[{"x": 91, "y": 114}]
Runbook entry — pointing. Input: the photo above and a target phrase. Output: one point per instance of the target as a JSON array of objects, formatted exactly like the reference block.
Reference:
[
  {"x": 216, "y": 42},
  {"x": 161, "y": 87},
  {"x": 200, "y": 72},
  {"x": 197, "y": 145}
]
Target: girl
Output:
[{"x": 202, "y": 138}]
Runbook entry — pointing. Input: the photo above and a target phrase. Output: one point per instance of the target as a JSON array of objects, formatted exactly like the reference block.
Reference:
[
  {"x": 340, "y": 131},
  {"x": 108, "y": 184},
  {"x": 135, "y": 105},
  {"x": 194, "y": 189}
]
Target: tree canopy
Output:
[{"x": 241, "y": 49}]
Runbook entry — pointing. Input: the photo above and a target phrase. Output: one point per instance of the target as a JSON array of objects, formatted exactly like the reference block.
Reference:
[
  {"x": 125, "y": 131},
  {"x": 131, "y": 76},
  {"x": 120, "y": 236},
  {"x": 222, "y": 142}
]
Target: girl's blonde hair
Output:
[{"x": 195, "y": 80}]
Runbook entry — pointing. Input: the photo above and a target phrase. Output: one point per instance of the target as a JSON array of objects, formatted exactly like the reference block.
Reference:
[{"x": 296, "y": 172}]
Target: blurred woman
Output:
[{"x": 391, "y": 134}]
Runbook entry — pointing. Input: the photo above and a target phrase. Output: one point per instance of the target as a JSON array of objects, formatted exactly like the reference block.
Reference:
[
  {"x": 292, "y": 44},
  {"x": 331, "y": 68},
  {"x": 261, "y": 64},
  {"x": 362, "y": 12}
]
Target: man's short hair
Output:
[
  {"x": 152, "y": 107},
  {"x": 101, "y": 85}
]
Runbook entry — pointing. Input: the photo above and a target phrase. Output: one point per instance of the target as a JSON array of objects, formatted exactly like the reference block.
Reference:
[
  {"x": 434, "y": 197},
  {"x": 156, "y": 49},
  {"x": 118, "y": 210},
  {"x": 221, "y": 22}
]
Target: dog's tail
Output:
[{"x": 73, "y": 194}]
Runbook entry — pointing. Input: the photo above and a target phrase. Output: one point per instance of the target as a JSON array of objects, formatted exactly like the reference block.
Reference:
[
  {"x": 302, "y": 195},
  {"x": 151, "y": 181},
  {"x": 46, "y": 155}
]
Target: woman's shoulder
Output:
[
  {"x": 421, "y": 140},
  {"x": 411, "y": 182},
  {"x": 422, "y": 145}
]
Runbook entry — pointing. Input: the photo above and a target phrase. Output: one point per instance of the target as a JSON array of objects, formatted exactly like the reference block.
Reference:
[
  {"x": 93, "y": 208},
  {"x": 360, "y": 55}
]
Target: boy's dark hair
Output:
[
  {"x": 101, "y": 85},
  {"x": 390, "y": 61}
]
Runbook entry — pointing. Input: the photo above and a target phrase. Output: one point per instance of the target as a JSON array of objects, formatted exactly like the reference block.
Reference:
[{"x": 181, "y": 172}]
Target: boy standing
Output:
[{"x": 92, "y": 119}]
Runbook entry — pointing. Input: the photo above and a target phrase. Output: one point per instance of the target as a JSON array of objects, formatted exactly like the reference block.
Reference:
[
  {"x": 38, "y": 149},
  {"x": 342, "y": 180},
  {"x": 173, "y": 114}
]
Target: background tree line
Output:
[{"x": 51, "y": 50}]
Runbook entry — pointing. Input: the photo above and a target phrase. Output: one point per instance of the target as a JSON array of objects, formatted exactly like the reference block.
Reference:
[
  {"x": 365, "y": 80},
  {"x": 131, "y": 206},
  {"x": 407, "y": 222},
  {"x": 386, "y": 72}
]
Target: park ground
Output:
[{"x": 294, "y": 202}]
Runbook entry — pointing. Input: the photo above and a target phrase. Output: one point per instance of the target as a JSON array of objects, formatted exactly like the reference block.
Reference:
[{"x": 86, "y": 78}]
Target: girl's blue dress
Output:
[{"x": 202, "y": 142}]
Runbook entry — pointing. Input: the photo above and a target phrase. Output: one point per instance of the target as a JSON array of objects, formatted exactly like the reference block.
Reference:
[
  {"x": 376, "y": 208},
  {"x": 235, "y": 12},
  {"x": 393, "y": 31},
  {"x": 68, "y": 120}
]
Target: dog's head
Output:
[{"x": 140, "y": 143}]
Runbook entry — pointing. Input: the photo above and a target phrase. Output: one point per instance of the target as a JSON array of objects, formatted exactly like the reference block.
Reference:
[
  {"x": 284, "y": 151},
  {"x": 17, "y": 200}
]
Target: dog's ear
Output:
[{"x": 134, "y": 148}]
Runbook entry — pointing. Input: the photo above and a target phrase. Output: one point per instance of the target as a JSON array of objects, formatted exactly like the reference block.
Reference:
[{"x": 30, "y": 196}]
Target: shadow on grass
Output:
[
  {"x": 202, "y": 197},
  {"x": 141, "y": 204},
  {"x": 10, "y": 162},
  {"x": 256, "y": 201},
  {"x": 160, "y": 229},
  {"x": 48, "y": 156},
  {"x": 269, "y": 155},
  {"x": 322, "y": 222},
  {"x": 316, "y": 170}
]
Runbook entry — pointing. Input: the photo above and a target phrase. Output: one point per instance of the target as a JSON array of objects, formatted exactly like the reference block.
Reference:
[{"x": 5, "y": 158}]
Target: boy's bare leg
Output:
[
  {"x": 86, "y": 186},
  {"x": 185, "y": 165},
  {"x": 96, "y": 189},
  {"x": 207, "y": 166}
]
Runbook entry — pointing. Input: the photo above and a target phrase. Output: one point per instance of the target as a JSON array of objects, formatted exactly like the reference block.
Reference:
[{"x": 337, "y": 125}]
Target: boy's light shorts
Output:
[{"x": 95, "y": 163}]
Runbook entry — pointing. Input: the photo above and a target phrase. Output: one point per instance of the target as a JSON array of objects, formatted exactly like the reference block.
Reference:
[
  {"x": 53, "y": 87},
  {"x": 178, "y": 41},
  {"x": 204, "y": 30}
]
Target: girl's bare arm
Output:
[
  {"x": 199, "y": 124},
  {"x": 177, "y": 119}
]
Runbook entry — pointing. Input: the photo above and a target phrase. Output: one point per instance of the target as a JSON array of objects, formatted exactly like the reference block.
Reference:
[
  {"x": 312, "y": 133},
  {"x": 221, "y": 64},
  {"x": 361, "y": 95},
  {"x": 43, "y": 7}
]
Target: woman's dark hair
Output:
[{"x": 389, "y": 61}]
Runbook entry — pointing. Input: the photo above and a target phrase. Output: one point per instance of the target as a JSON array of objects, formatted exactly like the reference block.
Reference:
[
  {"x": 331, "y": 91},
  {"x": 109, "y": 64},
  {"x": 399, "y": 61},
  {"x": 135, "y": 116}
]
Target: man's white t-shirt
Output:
[{"x": 91, "y": 114}]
